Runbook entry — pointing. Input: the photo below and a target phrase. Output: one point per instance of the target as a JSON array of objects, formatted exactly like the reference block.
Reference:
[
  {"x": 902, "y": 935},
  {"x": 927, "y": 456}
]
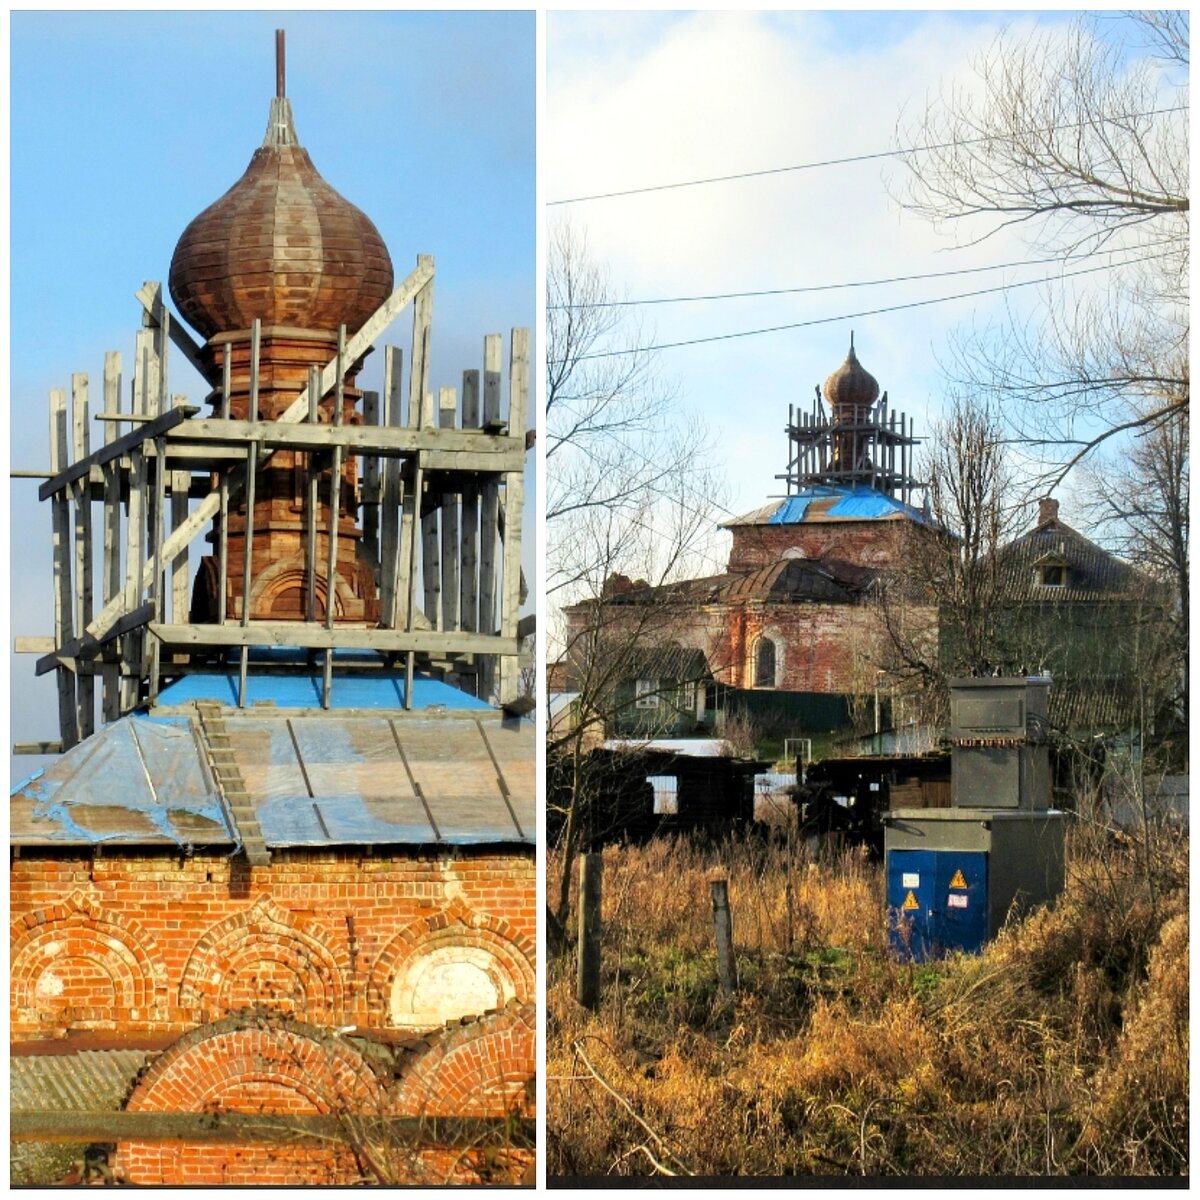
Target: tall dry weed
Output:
[{"x": 1060, "y": 1050}]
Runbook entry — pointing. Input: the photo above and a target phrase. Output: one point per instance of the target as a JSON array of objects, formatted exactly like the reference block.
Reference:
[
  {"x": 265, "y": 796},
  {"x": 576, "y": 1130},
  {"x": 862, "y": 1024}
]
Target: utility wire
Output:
[
  {"x": 854, "y": 158},
  {"x": 870, "y": 312},
  {"x": 828, "y": 287}
]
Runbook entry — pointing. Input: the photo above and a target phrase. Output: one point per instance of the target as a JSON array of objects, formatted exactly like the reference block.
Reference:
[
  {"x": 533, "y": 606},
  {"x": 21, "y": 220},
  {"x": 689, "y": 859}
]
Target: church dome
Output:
[
  {"x": 281, "y": 245},
  {"x": 851, "y": 385}
]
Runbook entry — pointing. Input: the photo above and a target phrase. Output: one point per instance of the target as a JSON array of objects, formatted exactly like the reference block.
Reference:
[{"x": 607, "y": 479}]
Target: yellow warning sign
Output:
[
  {"x": 958, "y": 881},
  {"x": 910, "y": 901}
]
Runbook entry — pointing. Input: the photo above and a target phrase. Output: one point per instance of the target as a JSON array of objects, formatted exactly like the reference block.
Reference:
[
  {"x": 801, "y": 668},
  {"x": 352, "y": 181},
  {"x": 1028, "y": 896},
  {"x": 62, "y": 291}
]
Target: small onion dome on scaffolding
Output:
[
  {"x": 851, "y": 388},
  {"x": 281, "y": 246}
]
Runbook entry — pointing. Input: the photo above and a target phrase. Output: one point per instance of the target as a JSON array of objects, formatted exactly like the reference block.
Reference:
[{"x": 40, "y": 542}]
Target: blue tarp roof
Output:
[
  {"x": 380, "y": 689},
  {"x": 851, "y": 504}
]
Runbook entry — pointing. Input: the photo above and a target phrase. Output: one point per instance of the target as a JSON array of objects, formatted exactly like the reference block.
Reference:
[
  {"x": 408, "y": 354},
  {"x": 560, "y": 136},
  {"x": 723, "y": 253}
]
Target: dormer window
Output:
[{"x": 1050, "y": 571}]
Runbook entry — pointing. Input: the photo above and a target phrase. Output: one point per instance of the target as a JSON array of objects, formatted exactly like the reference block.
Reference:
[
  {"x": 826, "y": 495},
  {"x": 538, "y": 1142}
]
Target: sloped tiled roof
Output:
[{"x": 1092, "y": 573}]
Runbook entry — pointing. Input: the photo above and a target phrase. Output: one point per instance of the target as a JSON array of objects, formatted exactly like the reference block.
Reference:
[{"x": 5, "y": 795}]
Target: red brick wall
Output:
[
  {"x": 153, "y": 943},
  {"x": 859, "y": 543},
  {"x": 482, "y": 1068},
  {"x": 818, "y": 647}
]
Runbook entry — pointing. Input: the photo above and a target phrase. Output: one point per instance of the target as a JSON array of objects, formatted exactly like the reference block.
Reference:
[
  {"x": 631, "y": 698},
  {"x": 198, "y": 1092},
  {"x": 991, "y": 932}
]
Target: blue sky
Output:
[{"x": 125, "y": 125}]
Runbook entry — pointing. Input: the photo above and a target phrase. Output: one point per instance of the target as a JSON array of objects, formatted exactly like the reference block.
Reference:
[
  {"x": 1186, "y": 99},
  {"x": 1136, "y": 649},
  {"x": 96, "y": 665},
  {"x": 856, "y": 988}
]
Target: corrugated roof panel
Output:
[{"x": 87, "y": 1080}]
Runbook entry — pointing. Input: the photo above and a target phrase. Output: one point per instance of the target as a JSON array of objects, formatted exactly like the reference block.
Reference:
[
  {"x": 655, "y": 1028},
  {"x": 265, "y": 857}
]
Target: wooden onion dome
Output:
[
  {"x": 851, "y": 390},
  {"x": 284, "y": 248},
  {"x": 281, "y": 245}
]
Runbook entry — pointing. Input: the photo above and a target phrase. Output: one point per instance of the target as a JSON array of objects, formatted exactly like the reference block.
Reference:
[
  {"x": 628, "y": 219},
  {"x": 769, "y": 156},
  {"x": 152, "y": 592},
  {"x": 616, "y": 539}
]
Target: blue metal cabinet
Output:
[{"x": 937, "y": 901}]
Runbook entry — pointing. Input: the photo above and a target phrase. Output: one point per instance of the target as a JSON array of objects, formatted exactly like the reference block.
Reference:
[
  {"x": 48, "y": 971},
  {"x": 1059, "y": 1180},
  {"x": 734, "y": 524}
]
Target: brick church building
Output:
[{"x": 787, "y": 632}]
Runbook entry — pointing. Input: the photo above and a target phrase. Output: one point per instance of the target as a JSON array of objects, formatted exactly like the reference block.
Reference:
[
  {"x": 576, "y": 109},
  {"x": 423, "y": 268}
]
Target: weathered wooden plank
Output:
[
  {"x": 417, "y": 383},
  {"x": 150, "y": 298},
  {"x": 251, "y": 470},
  {"x": 180, "y": 483},
  {"x": 139, "y": 576},
  {"x": 158, "y": 597},
  {"x": 355, "y": 439},
  {"x": 60, "y": 518},
  {"x": 335, "y": 517},
  {"x": 371, "y": 484},
  {"x": 55, "y": 747},
  {"x": 514, "y": 504},
  {"x": 312, "y": 503},
  {"x": 86, "y": 646},
  {"x": 447, "y": 415},
  {"x": 111, "y": 697},
  {"x": 489, "y": 511},
  {"x": 232, "y": 1128},
  {"x": 469, "y": 566},
  {"x": 317, "y": 637},
  {"x": 431, "y": 569},
  {"x": 145, "y": 431},
  {"x": 222, "y": 495},
  {"x": 85, "y": 688},
  {"x": 390, "y": 573},
  {"x": 26, "y": 644}
]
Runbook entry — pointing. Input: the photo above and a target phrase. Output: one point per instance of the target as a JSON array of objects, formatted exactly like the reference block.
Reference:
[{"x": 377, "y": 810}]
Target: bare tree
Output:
[
  {"x": 1085, "y": 150},
  {"x": 939, "y": 605},
  {"x": 1140, "y": 500},
  {"x": 630, "y": 495}
]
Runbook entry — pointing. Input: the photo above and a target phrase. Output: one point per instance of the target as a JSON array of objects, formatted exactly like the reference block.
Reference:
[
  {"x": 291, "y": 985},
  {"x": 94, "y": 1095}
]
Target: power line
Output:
[
  {"x": 854, "y": 158},
  {"x": 871, "y": 312},
  {"x": 827, "y": 287}
]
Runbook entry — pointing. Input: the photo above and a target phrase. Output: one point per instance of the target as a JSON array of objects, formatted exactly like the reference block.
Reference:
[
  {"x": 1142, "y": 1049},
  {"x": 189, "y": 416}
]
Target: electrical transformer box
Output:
[{"x": 955, "y": 875}]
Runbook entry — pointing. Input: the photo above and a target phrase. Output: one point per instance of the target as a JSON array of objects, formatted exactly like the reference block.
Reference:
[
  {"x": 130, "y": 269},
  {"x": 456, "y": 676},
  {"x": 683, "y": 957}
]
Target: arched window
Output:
[{"x": 764, "y": 663}]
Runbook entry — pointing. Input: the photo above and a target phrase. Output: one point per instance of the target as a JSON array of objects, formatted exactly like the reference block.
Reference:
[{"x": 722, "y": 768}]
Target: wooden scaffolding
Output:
[
  {"x": 440, "y": 496},
  {"x": 874, "y": 450}
]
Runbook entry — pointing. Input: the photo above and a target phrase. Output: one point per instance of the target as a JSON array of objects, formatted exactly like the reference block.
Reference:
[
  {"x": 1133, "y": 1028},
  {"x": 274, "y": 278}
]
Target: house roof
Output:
[
  {"x": 305, "y": 776},
  {"x": 1092, "y": 573},
  {"x": 825, "y": 503}
]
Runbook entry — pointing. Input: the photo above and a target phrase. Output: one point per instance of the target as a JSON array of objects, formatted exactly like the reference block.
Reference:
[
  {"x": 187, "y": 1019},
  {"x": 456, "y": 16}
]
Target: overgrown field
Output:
[{"x": 1062, "y": 1050}]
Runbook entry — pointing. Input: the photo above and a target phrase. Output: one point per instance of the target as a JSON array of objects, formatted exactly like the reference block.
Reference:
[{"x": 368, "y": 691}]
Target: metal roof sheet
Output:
[
  {"x": 313, "y": 779},
  {"x": 141, "y": 780}
]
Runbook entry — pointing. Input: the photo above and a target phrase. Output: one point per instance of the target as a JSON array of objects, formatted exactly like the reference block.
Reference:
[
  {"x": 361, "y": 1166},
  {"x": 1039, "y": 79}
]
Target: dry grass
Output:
[{"x": 1061, "y": 1050}]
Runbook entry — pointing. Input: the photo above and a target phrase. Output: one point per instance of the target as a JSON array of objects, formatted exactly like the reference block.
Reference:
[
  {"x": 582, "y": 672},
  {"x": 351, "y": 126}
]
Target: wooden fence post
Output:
[
  {"x": 587, "y": 990},
  {"x": 723, "y": 924}
]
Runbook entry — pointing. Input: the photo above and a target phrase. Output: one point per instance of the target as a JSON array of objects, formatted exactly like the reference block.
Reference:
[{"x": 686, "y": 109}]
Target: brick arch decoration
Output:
[
  {"x": 295, "y": 971},
  {"x": 481, "y": 1068},
  {"x": 251, "y": 1062},
  {"x": 81, "y": 965},
  {"x": 505, "y": 953},
  {"x": 291, "y": 575}
]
